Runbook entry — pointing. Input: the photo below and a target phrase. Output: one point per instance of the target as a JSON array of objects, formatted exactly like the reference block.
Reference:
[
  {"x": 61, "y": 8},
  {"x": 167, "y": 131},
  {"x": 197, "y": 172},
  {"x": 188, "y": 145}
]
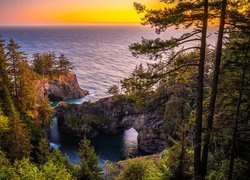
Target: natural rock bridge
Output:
[{"x": 113, "y": 115}]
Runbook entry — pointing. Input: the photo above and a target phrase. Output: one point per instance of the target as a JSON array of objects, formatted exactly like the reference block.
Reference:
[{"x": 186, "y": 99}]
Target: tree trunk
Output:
[
  {"x": 199, "y": 99},
  {"x": 233, "y": 146},
  {"x": 211, "y": 108},
  {"x": 182, "y": 154}
]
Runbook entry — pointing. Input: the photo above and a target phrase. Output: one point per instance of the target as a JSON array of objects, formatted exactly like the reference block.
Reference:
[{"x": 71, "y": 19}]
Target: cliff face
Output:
[
  {"x": 60, "y": 88},
  {"x": 111, "y": 116}
]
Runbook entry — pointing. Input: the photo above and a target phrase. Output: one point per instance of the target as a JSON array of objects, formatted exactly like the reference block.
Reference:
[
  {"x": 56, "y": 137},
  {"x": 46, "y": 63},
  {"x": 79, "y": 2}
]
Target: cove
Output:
[{"x": 111, "y": 148}]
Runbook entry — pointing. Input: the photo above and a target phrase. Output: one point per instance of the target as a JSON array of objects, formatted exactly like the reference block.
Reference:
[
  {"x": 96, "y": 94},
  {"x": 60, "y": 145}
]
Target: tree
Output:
[
  {"x": 216, "y": 72},
  {"x": 24, "y": 169},
  {"x": 236, "y": 116},
  {"x": 183, "y": 13},
  {"x": 89, "y": 161},
  {"x": 134, "y": 170},
  {"x": 45, "y": 114},
  {"x": 114, "y": 90},
  {"x": 17, "y": 137},
  {"x": 177, "y": 124},
  {"x": 4, "y": 77},
  {"x": 27, "y": 98},
  {"x": 43, "y": 151},
  {"x": 44, "y": 63},
  {"x": 64, "y": 66},
  {"x": 14, "y": 57},
  {"x": 51, "y": 170},
  {"x": 3, "y": 122}
]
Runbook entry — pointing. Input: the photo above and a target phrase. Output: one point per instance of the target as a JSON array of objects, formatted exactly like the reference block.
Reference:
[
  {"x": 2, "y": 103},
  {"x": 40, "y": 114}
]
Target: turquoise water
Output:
[{"x": 108, "y": 147}]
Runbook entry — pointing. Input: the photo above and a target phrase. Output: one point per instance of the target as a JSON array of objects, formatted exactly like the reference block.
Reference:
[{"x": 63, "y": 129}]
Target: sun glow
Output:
[{"x": 15, "y": 12}]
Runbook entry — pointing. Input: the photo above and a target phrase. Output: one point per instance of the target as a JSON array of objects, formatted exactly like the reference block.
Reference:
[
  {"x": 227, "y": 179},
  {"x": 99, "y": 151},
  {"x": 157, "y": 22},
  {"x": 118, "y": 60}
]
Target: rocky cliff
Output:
[
  {"x": 60, "y": 88},
  {"x": 113, "y": 115}
]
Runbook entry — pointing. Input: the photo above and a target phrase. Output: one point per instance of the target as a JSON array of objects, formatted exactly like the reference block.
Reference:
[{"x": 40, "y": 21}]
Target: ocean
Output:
[
  {"x": 100, "y": 54},
  {"x": 101, "y": 58}
]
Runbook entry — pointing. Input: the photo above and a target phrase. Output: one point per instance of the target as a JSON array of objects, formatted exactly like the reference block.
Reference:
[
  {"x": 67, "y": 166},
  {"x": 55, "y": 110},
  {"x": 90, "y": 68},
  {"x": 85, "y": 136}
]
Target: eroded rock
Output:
[
  {"x": 113, "y": 115},
  {"x": 60, "y": 88}
]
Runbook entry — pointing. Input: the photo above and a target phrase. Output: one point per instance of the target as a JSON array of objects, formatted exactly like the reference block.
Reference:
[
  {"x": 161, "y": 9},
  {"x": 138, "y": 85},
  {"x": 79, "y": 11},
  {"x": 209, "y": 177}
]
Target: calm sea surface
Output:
[{"x": 101, "y": 58}]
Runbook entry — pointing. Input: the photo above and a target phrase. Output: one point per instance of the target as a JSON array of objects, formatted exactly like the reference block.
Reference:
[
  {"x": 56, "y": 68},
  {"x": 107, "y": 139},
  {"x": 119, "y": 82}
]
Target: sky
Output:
[{"x": 36, "y": 12}]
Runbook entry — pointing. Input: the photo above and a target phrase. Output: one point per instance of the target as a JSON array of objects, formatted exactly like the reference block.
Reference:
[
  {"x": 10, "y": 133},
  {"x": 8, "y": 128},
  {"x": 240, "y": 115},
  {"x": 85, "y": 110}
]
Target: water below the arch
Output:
[{"x": 108, "y": 147}]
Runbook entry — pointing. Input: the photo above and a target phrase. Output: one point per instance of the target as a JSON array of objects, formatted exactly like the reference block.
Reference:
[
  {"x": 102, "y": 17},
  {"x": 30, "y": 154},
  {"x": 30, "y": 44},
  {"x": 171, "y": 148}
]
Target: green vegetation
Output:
[
  {"x": 47, "y": 64},
  {"x": 89, "y": 169},
  {"x": 25, "y": 120},
  {"x": 203, "y": 112},
  {"x": 206, "y": 114}
]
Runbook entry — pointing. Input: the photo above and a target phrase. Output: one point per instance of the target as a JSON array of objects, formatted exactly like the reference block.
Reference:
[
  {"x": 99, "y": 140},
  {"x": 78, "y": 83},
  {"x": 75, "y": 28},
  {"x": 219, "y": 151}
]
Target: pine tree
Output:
[
  {"x": 185, "y": 13},
  {"x": 27, "y": 98},
  {"x": 45, "y": 115},
  {"x": 17, "y": 138},
  {"x": 4, "y": 77},
  {"x": 64, "y": 66},
  {"x": 89, "y": 161},
  {"x": 213, "y": 96},
  {"x": 14, "y": 57},
  {"x": 44, "y": 63},
  {"x": 43, "y": 151}
]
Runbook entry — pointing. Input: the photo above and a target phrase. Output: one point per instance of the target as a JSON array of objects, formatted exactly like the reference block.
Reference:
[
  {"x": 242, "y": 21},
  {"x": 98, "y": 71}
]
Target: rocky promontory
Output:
[
  {"x": 62, "y": 87},
  {"x": 113, "y": 115}
]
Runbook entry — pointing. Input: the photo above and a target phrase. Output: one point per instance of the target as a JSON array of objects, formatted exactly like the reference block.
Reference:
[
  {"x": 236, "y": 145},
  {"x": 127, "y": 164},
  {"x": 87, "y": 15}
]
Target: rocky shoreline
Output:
[
  {"x": 63, "y": 87},
  {"x": 113, "y": 115}
]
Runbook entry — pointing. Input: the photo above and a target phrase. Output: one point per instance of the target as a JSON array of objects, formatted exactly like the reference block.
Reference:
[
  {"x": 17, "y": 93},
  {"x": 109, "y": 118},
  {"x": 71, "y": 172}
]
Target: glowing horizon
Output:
[{"x": 69, "y": 12}]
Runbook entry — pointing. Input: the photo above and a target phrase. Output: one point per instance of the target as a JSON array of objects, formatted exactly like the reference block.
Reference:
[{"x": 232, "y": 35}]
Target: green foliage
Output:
[
  {"x": 134, "y": 170},
  {"x": 140, "y": 169},
  {"x": 43, "y": 151},
  {"x": 220, "y": 170},
  {"x": 27, "y": 97},
  {"x": 17, "y": 138},
  {"x": 55, "y": 171},
  {"x": 4, "y": 122},
  {"x": 43, "y": 63},
  {"x": 89, "y": 161},
  {"x": 4, "y": 79},
  {"x": 64, "y": 66},
  {"x": 47, "y": 64},
  {"x": 113, "y": 90},
  {"x": 14, "y": 59},
  {"x": 26, "y": 170},
  {"x": 109, "y": 171},
  {"x": 45, "y": 113},
  {"x": 59, "y": 159}
]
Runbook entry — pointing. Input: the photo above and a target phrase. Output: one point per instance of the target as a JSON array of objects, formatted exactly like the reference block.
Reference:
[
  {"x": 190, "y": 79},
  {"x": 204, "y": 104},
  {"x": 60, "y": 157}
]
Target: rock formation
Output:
[
  {"x": 60, "y": 88},
  {"x": 113, "y": 115}
]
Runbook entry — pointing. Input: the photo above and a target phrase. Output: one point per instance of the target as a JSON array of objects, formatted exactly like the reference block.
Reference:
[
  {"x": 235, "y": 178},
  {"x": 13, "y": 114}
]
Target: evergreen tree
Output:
[
  {"x": 14, "y": 57},
  {"x": 64, "y": 66},
  {"x": 214, "y": 90},
  {"x": 3, "y": 122},
  {"x": 4, "y": 77},
  {"x": 45, "y": 115},
  {"x": 43, "y": 151},
  {"x": 114, "y": 90},
  {"x": 17, "y": 138},
  {"x": 44, "y": 63},
  {"x": 89, "y": 161},
  {"x": 27, "y": 97}
]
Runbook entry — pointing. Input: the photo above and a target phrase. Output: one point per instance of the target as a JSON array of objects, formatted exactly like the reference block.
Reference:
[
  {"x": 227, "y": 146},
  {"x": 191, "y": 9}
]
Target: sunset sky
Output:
[{"x": 30, "y": 12}]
